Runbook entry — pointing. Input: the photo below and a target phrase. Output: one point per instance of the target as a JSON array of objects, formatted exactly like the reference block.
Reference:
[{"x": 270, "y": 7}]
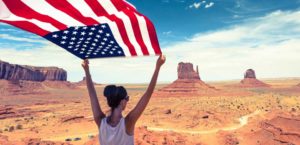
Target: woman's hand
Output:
[
  {"x": 160, "y": 61},
  {"x": 85, "y": 64}
]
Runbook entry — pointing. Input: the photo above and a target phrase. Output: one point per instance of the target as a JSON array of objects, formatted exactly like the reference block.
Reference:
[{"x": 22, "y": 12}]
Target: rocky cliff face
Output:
[
  {"x": 250, "y": 73},
  {"x": 186, "y": 71},
  {"x": 250, "y": 80},
  {"x": 188, "y": 83},
  {"x": 30, "y": 73}
]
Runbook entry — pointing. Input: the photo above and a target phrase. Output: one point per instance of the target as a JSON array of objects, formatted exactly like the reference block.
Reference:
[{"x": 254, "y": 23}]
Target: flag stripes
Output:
[{"x": 133, "y": 32}]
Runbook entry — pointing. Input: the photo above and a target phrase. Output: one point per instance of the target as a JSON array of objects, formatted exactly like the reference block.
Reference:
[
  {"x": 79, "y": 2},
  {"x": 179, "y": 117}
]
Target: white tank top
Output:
[{"x": 117, "y": 135}]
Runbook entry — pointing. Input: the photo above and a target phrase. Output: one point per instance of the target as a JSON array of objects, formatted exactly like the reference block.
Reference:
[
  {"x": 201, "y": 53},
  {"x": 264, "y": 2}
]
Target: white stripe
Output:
[
  {"x": 111, "y": 9},
  {"x": 85, "y": 10},
  {"x": 41, "y": 6},
  {"x": 4, "y": 11},
  {"x": 9, "y": 16},
  {"x": 145, "y": 33}
]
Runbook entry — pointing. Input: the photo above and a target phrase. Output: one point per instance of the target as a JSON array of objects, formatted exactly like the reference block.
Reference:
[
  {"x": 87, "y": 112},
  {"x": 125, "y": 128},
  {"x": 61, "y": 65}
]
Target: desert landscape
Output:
[{"x": 39, "y": 106}]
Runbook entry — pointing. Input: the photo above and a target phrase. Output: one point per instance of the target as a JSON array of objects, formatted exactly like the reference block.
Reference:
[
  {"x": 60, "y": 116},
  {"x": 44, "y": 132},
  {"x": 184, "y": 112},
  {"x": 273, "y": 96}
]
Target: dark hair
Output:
[{"x": 114, "y": 94}]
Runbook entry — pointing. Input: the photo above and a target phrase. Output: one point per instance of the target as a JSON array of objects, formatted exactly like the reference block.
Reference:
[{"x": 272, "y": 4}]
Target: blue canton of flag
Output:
[{"x": 87, "y": 41}]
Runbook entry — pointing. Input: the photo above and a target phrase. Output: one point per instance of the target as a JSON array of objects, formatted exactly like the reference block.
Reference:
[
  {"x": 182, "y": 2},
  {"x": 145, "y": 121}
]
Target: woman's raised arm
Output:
[
  {"x": 134, "y": 115},
  {"x": 97, "y": 112}
]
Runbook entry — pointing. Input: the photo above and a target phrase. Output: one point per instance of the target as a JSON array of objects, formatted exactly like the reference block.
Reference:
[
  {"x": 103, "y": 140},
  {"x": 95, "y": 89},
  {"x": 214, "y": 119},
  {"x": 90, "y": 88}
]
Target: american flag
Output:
[{"x": 85, "y": 28}]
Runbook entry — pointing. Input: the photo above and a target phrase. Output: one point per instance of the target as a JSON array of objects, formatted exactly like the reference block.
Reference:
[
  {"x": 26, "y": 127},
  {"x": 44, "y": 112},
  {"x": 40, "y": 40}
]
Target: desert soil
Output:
[{"x": 63, "y": 116}]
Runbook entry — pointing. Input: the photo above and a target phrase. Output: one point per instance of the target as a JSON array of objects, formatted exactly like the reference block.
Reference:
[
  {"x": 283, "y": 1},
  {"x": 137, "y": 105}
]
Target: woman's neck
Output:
[{"x": 115, "y": 116}]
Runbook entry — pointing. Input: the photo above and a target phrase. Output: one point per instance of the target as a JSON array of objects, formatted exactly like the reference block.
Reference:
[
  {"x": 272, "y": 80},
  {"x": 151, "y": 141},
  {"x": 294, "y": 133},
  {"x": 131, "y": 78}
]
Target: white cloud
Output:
[
  {"x": 198, "y": 5},
  {"x": 209, "y": 5},
  {"x": 10, "y": 37},
  {"x": 167, "y": 33},
  {"x": 272, "y": 50},
  {"x": 195, "y": 5}
]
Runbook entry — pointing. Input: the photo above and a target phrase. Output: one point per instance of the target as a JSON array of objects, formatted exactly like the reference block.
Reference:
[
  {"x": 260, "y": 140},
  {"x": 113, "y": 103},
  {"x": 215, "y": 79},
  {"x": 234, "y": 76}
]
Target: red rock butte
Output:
[
  {"x": 30, "y": 73},
  {"x": 188, "y": 83},
  {"x": 23, "y": 79},
  {"x": 250, "y": 80},
  {"x": 83, "y": 82}
]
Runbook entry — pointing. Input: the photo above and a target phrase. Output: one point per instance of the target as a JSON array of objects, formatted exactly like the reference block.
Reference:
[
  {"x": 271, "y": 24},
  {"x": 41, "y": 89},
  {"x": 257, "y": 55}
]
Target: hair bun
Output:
[
  {"x": 110, "y": 91},
  {"x": 114, "y": 95}
]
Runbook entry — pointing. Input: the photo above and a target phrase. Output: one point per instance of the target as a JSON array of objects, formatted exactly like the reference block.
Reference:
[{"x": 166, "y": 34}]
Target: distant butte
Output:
[
  {"x": 188, "y": 83},
  {"x": 250, "y": 80},
  {"x": 23, "y": 79},
  {"x": 30, "y": 73},
  {"x": 83, "y": 82}
]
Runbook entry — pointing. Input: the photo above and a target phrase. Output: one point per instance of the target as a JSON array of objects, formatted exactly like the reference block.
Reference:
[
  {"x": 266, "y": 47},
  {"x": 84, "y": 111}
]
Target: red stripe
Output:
[
  {"x": 100, "y": 11},
  {"x": 20, "y": 9},
  {"x": 151, "y": 30},
  {"x": 69, "y": 9},
  {"x": 26, "y": 25},
  {"x": 134, "y": 23}
]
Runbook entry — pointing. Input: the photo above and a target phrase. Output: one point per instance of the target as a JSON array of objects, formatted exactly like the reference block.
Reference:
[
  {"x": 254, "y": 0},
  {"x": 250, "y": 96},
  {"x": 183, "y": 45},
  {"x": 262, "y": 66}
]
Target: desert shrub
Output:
[
  {"x": 77, "y": 139},
  {"x": 11, "y": 128},
  {"x": 19, "y": 126},
  {"x": 91, "y": 136}
]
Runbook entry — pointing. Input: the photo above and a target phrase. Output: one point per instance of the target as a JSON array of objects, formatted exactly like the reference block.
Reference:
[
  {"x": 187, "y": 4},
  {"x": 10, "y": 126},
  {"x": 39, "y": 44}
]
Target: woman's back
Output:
[{"x": 117, "y": 135}]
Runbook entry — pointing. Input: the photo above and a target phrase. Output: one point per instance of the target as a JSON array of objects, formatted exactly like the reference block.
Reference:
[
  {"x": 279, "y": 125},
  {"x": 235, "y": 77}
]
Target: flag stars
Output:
[
  {"x": 95, "y": 41},
  {"x": 55, "y": 36},
  {"x": 66, "y": 32}
]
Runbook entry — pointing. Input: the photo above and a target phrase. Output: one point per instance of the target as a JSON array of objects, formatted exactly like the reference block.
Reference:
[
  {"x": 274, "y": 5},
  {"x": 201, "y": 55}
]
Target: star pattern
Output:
[{"x": 94, "y": 41}]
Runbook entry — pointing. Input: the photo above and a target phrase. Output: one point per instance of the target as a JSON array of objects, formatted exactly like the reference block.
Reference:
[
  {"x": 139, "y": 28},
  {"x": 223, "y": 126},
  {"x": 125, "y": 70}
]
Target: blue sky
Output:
[
  {"x": 176, "y": 20},
  {"x": 223, "y": 37}
]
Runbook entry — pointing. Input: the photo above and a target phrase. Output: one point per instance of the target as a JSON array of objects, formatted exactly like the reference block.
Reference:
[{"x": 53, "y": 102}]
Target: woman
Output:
[{"x": 114, "y": 129}]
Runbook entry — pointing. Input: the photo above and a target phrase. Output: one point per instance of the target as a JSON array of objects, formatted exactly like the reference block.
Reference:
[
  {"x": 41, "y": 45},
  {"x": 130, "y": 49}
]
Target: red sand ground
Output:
[{"x": 54, "y": 112}]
